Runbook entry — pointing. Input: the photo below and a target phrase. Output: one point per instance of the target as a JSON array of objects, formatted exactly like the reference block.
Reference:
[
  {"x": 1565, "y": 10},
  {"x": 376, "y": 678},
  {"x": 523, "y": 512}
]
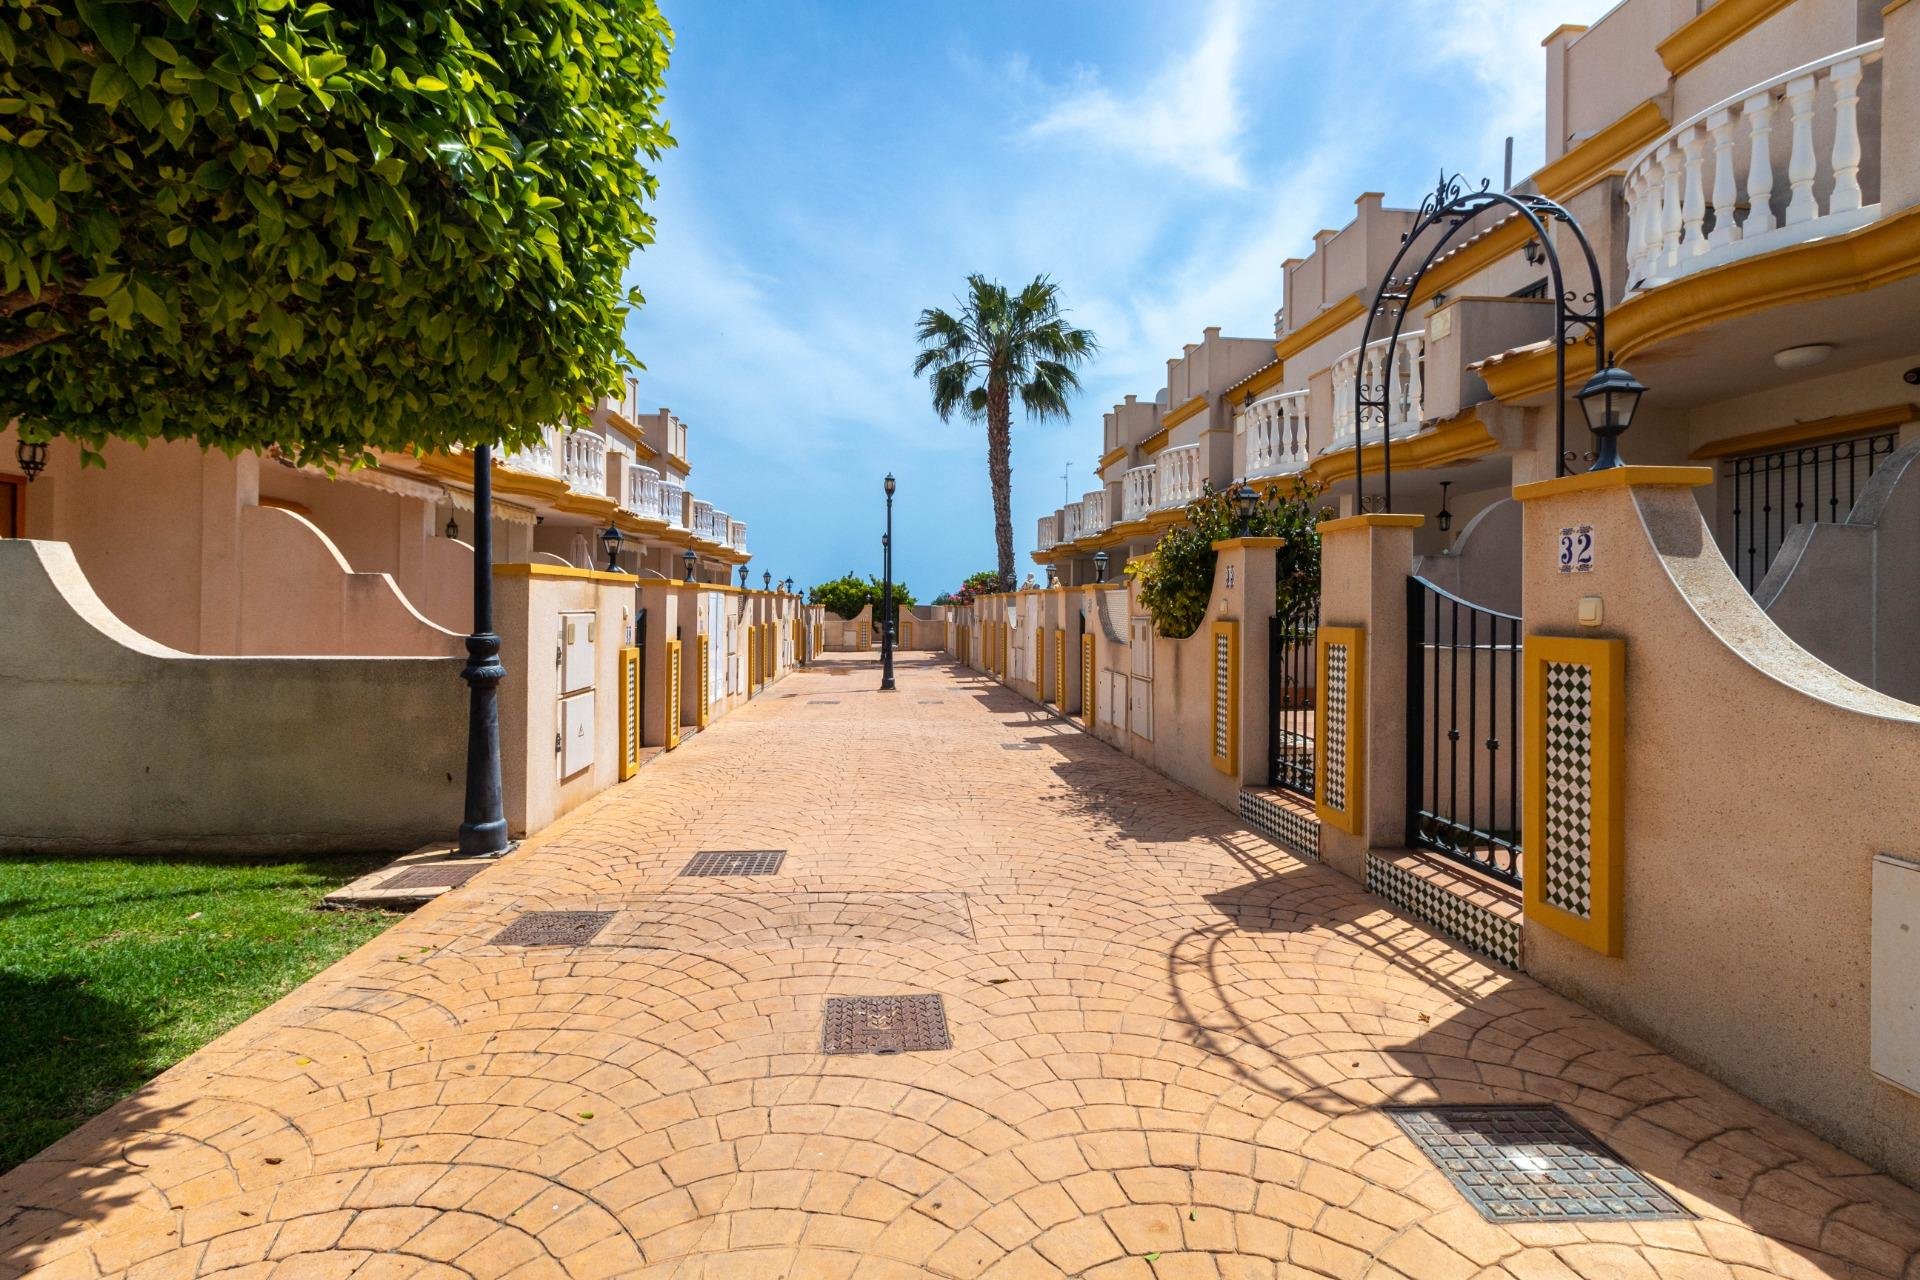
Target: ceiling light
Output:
[{"x": 1803, "y": 357}]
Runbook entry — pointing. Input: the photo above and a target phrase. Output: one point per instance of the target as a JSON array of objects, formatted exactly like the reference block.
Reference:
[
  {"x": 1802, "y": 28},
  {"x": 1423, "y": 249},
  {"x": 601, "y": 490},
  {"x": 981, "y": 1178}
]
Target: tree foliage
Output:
[
  {"x": 1176, "y": 577},
  {"x": 997, "y": 345},
  {"x": 848, "y": 594},
  {"x": 285, "y": 223}
]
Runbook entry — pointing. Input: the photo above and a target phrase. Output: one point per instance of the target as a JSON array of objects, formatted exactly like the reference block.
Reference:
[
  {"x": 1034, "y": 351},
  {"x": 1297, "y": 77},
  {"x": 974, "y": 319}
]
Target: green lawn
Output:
[{"x": 114, "y": 969}]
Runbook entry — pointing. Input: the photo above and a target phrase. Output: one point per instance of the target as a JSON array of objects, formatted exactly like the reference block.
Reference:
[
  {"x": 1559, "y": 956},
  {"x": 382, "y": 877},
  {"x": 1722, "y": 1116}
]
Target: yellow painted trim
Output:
[
  {"x": 286, "y": 504},
  {"x": 1615, "y": 478},
  {"x": 700, "y": 712},
  {"x": 1229, "y": 630},
  {"x": 1837, "y": 426},
  {"x": 1833, "y": 266},
  {"x": 673, "y": 695},
  {"x": 1155, "y": 442},
  {"x": 675, "y": 460},
  {"x": 1454, "y": 440},
  {"x": 1373, "y": 520},
  {"x": 1060, "y": 668},
  {"x": 1475, "y": 254},
  {"x": 1264, "y": 378},
  {"x": 1713, "y": 30},
  {"x": 1891, "y": 7},
  {"x": 1251, "y": 544},
  {"x": 1113, "y": 457},
  {"x": 1603, "y": 153},
  {"x": 1561, "y": 30},
  {"x": 1175, "y": 416},
  {"x": 1352, "y": 818},
  {"x": 1319, "y": 327},
  {"x": 1088, "y": 684},
  {"x": 629, "y": 728},
  {"x": 1040, "y": 665},
  {"x": 1604, "y": 929},
  {"x": 565, "y": 571},
  {"x": 597, "y": 506}
]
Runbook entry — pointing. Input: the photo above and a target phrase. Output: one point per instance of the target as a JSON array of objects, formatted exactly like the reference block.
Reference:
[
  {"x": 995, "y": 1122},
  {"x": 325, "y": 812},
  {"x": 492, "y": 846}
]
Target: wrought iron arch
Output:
[{"x": 1454, "y": 204}]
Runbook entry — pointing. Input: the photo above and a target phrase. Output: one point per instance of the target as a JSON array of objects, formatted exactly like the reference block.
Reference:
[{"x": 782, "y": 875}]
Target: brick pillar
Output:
[{"x": 1244, "y": 593}]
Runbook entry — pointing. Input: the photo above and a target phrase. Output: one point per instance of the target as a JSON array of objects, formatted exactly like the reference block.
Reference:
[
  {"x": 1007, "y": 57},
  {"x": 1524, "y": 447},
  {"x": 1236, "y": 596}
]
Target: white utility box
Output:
[
  {"x": 576, "y": 652},
  {"x": 1895, "y": 1052},
  {"x": 1140, "y": 708},
  {"x": 576, "y": 733}
]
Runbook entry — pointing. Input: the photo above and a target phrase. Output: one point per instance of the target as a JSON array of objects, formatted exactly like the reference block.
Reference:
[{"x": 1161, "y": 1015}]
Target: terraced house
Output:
[{"x": 1646, "y": 731}]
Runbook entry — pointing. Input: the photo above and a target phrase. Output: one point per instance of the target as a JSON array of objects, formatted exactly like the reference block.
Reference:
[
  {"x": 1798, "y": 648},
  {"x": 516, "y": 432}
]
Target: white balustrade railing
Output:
[
  {"x": 1403, "y": 397},
  {"x": 1093, "y": 512},
  {"x": 722, "y": 526},
  {"x": 702, "y": 519},
  {"x": 737, "y": 534},
  {"x": 584, "y": 457},
  {"x": 537, "y": 459},
  {"x": 643, "y": 490},
  {"x": 1136, "y": 491},
  {"x": 1070, "y": 523},
  {"x": 1048, "y": 532},
  {"x": 673, "y": 503},
  {"x": 1773, "y": 165},
  {"x": 1276, "y": 432},
  {"x": 1178, "y": 481}
]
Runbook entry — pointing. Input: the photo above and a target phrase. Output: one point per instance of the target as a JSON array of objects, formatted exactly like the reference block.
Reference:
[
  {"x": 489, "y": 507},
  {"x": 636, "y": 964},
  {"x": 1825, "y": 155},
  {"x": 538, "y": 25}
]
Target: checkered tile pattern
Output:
[
  {"x": 1336, "y": 730},
  {"x": 1293, "y": 829},
  {"x": 1472, "y": 926},
  {"x": 1568, "y": 733},
  {"x": 1222, "y": 693}
]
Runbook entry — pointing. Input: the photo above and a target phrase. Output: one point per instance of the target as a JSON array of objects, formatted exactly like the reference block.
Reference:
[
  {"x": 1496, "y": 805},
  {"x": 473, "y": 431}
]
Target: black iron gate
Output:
[
  {"x": 1810, "y": 484},
  {"x": 1290, "y": 696},
  {"x": 1463, "y": 730}
]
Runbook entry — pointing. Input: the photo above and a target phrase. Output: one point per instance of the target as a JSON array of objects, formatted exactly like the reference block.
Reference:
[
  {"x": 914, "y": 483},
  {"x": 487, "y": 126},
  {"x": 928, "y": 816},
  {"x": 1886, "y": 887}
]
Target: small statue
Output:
[{"x": 1028, "y": 584}]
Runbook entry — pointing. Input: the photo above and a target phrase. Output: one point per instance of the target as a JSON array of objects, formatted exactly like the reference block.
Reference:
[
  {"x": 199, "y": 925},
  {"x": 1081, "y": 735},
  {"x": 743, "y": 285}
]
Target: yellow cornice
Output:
[
  {"x": 1111, "y": 458},
  {"x": 1844, "y": 424},
  {"x": 675, "y": 460},
  {"x": 1892, "y": 5},
  {"x": 1249, "y": 544},
  {"x": 1174, "y": 417},
  {"x": 1616, "y": 478},
  {"x": 1602, "y": 153},
  {"x": 1372, "y": 520},
  {"x": 1454, "y": 440},
  {"x": 1260, "y": 379},
  {"x": 573, "y": 502},
  {"x": 564, "y": 571},
  {"x": 1350, "y": 308},
  {"x": 1716, "y": 28},
  {"x": 1476, "y": 254},
  {"x": 1155, "y": 442},
  {"x": 1833, "y": 266},
  {"x": 1564, "y": 28}
]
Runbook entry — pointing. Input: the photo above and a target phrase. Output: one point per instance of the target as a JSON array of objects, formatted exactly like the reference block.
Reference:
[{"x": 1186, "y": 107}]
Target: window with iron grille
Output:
[{"x": 1773, "y": 493}]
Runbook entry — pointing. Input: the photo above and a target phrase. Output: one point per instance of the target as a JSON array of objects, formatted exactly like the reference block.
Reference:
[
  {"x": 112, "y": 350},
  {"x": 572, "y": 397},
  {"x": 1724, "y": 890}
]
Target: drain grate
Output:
[
  {"x": 1019, "y": 746},
  {"x": 553, "y": 929},
  {"x": 884, "y": 1024},
  {"x": 823, "y": 702},
  {"x": 735, "y": 862},
  {"x": 435, "y": 875},
  {"x": 1532, "y": 1164}
]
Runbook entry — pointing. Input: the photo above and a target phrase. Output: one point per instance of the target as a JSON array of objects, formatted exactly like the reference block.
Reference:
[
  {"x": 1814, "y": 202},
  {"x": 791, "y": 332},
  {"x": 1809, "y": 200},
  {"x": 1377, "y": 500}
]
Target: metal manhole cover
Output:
[
  {"x": 1532, "y": 1164},
  {"x": 884, "y": 1024},
  {"x": 553, "y": 929},
  {"x": 823, "y": 702},
  {"x": 735, "y": 862},
  {"x": 435, "y": 875},
  {"x": 1019, "y": 746}
]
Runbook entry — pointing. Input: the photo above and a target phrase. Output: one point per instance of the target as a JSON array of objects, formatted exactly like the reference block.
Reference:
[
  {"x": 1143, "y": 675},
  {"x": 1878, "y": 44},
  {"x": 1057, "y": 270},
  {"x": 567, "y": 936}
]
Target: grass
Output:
[{"x": 114, "y": 969}]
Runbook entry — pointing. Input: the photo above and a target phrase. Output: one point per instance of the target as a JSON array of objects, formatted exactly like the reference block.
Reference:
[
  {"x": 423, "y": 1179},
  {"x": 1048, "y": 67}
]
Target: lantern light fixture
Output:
[
  {"x": 1444, "y": 518},
  {"x": 32, "y": 456},
  {"x": 687, "y": 561},
  {"x": 1244, "y": 501},
  {"x": 610, "y": 540},
  {"x": 1609, "y": 401},
  {"x": 1099, "y": 566}
]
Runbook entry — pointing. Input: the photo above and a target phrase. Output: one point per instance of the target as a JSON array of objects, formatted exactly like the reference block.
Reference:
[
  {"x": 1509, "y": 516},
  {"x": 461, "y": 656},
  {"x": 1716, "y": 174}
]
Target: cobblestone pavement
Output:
[{"x": 1171, "y": 1047}]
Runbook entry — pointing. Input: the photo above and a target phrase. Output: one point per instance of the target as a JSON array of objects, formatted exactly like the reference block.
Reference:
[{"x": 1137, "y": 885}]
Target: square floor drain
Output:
[
  {"x": 1019, "y": 746},
  {"x": 1532, "y": 1164},
  {"x": 435, "y": 875},
  {"x": 823, "y": 702},
  {"x": 553, "y": 929},
  {"x": 735, "y": 862},
  {"x": 884, "y": 1024}
]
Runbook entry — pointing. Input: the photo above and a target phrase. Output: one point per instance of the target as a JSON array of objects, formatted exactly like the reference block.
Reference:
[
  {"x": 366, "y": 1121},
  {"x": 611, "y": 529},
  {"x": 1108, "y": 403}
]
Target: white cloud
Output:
[{"x": 1186, "y": 118}]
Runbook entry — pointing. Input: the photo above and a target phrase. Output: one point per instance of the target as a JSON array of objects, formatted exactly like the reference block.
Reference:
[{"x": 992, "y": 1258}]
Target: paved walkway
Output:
[{"x": 1170, "y": 1045}]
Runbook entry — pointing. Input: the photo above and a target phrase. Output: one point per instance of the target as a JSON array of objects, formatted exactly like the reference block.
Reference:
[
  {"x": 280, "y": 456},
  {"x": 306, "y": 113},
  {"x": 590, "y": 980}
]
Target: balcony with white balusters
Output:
[
  {"x": 1403, "y": 396},
  {"x": 643, "y": 492},
  {"x": 1093, "y": 512},
  {"x": 1047, "y": 533},
  {"x": 1136, "y": 492},
  {"x": 1276, "y": 434},
  {"x": 535, "y": 459},
  {"x": 737, "y": 534},
  {"x": 702, "y": 519},
  {"x": 584, "y": 462},
  {"x": 673, "y": 503},
  {"x": 1178, "y": 479},
  {"x": 1782, "y": 162}
]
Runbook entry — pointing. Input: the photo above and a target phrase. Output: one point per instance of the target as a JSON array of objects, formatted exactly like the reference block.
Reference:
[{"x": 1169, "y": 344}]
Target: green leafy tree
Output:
[
  {"x": 985, "y": 580},
  {"x": 1176, "y": 577},
  {"x": 1001, "y": 344},
  {"x": 848, "y": 594},
  {"x": 325, "y": 228}
]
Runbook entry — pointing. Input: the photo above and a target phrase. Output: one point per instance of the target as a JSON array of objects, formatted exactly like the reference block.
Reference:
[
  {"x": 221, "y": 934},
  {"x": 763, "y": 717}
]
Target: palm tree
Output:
[{"x": 999, "y": 343}]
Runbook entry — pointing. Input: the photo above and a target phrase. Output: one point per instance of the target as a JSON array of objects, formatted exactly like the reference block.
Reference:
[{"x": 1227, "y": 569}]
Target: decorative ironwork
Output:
[
  {"x": 1463, "y": 730},
  {"x": 1578, "y": 317},
  {"x": 885, "y": 1024},
  {"x": 553, "y": 929},
  {"x": 1532, "y": 1164},
  {"x": 1810, "y": 484},
  {"x": 1290, "y": 697},
  {"x": 435, "y": 875},
  {"x": 735, "y": 862}
]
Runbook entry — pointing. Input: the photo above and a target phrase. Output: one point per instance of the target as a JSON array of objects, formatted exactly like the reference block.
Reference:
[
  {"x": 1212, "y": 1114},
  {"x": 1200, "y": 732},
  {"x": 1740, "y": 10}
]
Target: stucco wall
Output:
[{"x": 109, "y": 740}]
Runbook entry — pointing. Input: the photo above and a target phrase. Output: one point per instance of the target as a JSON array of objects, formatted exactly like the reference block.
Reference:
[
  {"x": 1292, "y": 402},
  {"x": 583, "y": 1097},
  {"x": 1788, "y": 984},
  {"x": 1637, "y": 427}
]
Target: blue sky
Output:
[{"x": 842, "y": 165}]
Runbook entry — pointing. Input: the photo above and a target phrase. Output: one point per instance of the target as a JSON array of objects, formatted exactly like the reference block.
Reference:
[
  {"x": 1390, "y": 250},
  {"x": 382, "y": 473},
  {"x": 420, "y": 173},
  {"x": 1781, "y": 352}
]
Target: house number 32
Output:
[{"x": 1576, "y": 550}]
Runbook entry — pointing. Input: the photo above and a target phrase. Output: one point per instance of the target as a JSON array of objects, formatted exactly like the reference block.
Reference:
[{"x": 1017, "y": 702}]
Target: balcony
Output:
[
  {"x": 1070, "y": 522},
  {"x": 722, "y": 526},
  {"x": 1093, "y": 512},
  {"x": 673, "y": 503},
  {"x": 1045, "y": 536},
  {"x": 1773, "y": 165},
  {"x": 703, "y": 520},
  {"x": 584, "y": 462},
  {"x": 1179, "y": 479},
  {"x": 1404, "y": 398},
  {"x": 737, "y": 534},
  {"x": 1136, "y": 492},
  {"x": 643, "y": 491},
  {"x": 1276, "y": 428},
  {"x": 536, "y": 459}
]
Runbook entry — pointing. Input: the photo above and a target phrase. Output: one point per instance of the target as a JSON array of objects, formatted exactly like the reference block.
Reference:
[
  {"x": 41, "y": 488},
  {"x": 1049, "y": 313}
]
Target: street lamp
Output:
[
  {"x": 766, "y": 581},
  {"x": 687, "y": 561},
  {"x": 1444, "y": 517},
  {"x": 483, "y": 826},
  {"x": 610, "y": 539},
  {"x": 886, "y": 594},
  {"x": 787, "y": 586},
  {"x": 1244, "y": 501},
  {"x": 1609, "y": 400},
  {"x": 453, "y": 527},
  {"x": 1099, "y": 566},
  {"x": 743, "y": 577}
]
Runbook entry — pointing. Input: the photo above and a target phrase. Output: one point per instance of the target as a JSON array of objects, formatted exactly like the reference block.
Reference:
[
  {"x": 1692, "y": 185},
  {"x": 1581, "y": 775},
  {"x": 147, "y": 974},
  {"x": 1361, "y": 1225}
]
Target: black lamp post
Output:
[
  {"x": 766, "y": 581},
  {"x": 743, "y": 577},
  {"x": 886, "y": 594},
  {"x": 687, "y": 561},
  {"x": 611, "y": 538},
  {"x": 1244, "y": 501},
  {"x": 787, "y": 586},
  {"x": 1608, "y": 401},
  {"x": 483, "y": 830},
  {"x": 1444, "y": 517},
  {"x": 1099, "y": 566}
]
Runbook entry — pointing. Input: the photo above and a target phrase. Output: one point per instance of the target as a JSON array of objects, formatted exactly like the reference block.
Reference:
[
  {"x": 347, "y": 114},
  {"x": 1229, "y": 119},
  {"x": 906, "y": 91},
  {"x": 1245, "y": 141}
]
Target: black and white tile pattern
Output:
[
  {"x": 1473, "y": 926},
  {"x": 1336, "y": 727},
  {"x": 1222, "y": 696},
  {"x": 1292, "y": 829},
  {"x": 1567, "y": 847}
]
